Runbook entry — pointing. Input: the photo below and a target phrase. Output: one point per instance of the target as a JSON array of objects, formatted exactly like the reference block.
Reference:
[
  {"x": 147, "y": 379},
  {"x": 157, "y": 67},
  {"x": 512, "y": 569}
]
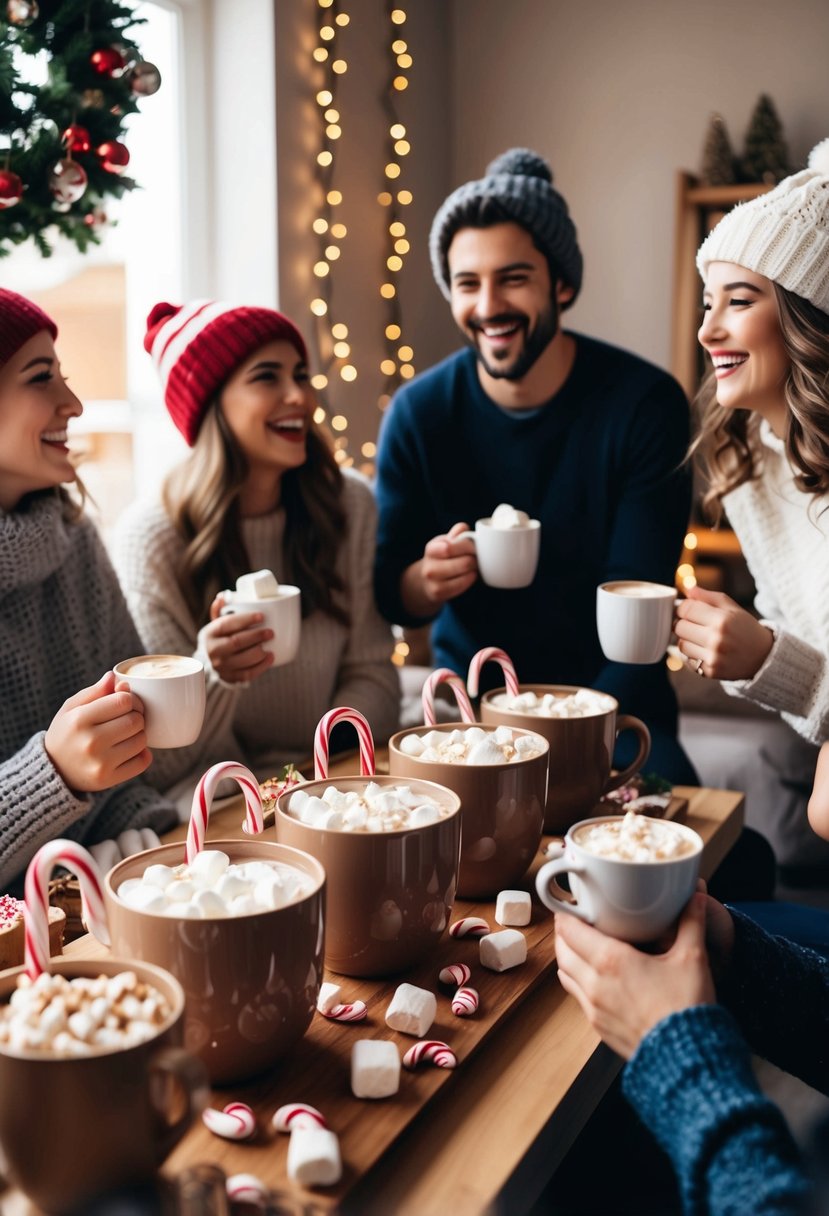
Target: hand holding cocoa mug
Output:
[
  {"x": 171, "y": 688},
  {"x": 635, "y": 619}
]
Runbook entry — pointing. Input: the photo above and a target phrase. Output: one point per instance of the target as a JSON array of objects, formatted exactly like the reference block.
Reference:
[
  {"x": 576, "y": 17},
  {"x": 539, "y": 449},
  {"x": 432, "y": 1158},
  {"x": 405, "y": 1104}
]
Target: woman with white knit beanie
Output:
[
  {"x": 72, "y": 739},
  {"x": 764, "y": 447}
]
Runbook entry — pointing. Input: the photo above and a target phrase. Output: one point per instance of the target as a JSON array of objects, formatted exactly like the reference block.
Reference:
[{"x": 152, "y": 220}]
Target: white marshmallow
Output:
[
  {"x": 208, "y": 866},
  {"x": 500, "y": 951},
  {"x": 411, "y": 1010},
  {"x": 156, "y": 876},
  {"x": 486, "y": 752},
  {"x": 261, "y": 585},
  {"x": 411, "y": 745},
  {"x": 513, "y": 908},
  {"x": 506, "y": 516},
  {"x": 329, "y": 996},
  {"x": 375, "y": 1068},
  {"x": 297, "y": 801},
  {"x": 314, "y": 1157},
  {"x": 423, "y": 815}
]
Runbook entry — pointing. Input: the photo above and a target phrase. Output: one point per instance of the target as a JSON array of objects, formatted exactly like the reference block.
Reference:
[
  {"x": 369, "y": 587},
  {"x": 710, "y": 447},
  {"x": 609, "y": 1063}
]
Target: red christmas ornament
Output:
[
  {"x": 76, "y": 139},
  {"x": 107, "y": 61},
  {"x": 11, "y": 189},
  {"x": 114, "y": 156},
  {"x": 96, "y": 218}
]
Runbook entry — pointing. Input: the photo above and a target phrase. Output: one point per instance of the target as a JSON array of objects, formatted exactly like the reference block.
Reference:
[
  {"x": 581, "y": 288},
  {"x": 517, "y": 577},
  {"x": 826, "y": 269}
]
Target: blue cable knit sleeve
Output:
[{"x": 691, "y": 1083}]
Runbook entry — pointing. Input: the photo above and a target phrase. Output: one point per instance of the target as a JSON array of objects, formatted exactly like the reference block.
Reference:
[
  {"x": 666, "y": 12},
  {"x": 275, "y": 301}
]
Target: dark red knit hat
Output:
[
  {"x": 197, "y": 346},
  {"x": 20, "y": 320}
]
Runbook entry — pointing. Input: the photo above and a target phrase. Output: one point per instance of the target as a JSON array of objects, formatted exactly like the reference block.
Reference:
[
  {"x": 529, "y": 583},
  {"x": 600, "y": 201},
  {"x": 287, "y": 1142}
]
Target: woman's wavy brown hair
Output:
[
  {"x": 201, "y": 497},
  {"x": 726, "y": 445}
]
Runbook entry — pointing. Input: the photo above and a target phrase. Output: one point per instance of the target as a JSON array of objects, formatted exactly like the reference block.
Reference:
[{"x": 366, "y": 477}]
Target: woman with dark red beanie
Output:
[
  {"x": 260, "y": 490},
  {"x": 71, "y": 739}
]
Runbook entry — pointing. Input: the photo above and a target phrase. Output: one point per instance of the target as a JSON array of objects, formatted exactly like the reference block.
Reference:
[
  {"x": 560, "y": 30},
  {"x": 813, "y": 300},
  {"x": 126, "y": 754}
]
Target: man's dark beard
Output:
[{"x": 536, "y": 343}]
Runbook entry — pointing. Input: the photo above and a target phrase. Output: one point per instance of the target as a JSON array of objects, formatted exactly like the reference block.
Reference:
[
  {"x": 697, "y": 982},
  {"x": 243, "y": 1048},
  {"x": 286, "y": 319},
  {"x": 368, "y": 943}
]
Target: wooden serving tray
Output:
[{"x": 318, "y": 1071}]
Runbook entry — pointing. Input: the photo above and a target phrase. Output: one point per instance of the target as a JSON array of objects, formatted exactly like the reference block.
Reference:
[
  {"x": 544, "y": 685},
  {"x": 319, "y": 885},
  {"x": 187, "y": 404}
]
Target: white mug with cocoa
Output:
[
  {"x": 172, "y": 690},
  {"x": 630, "y": 875},
  {"x": 280, "y": 606},
  {"x": 635, "y": 620},
  {"x": 507, "y": 545}
]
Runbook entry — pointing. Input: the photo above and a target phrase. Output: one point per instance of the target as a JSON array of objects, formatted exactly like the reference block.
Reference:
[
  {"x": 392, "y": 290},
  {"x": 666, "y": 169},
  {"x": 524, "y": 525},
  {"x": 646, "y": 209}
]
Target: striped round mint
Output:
[
  {"x": 430, "y": 1051},
  {"x": 465, "y": 1002},
  {"x": 494, "y": 654},
  {"x": 455, "y": 973},
  {"x": 297, "y": 1114},
  {"x": 469, "y": 926},
  {"x": 235, "y": 1122},
  {"x": 355, "y": 1012},
  {"x": 246, "y": 1188}
]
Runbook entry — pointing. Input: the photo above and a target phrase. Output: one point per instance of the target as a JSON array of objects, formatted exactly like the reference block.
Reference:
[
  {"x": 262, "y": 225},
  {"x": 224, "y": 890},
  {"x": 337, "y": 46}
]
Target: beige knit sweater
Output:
[{"x": 270, "y": 721}]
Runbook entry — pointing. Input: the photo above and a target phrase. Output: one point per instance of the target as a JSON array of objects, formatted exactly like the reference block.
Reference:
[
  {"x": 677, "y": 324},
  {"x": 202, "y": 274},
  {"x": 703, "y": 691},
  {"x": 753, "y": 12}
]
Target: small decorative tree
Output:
[
  {"x": 766, "y": 156},
  {"x": 718, "y": 167}
]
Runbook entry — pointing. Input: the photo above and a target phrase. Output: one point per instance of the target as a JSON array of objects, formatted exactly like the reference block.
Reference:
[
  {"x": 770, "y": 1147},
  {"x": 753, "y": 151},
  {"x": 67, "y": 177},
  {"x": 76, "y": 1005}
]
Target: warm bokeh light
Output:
[
  {"x": 369, "y": 449},
  {"x": 339, "y": 66},
  {"x": 320, "y": 226},
  {"x": 404, "y": 61},
  {"x": 325, "y": 158},
  {"x": 388, "y": 367},
  {"x": 397, "y": 130},
  {"x": 401, "y": 246},
  {"x": 339, "y": 422},
  {"x": 392, "y": 170},
  {"x": 334, "y": 198},
  {"x": 402, "y": 147},
  {"x": 406, "y": 371},
  {"x": 333, "y": 131},
  {"x": 393, "y": 332},
  {"x": 320, "y": 54},
  {"x": 319, "y": 381},
  {"x": 398, "y": 16},
  {"x": 348, "y": 372},
  {"x": 339, "y": 330},
  {"x": 398, "y": 228},
  {"x": 399, "y": 46},
  {"x": 319, "y": 415},
  {"x": 325, "y": 96},
  {"x": 684, "y": 571},
  {"x": 404, "y": 197},
  {"x": 384, "y": 198},
  {"x": 342, "y": 19},
  {"x": 332, "y": 252},
  {"x": 319, "y": 307},
  {"x": 394, "y": 263},
  {"x": 387, "y": 291},
  {"x": 405, "y": 354},
  {"x": 339, "y": 231},
  {"x": 400, "y": 83},
  {"x": 321, "y": 269},
  {"x": 691, "y": 540},
  {"x": 342, "y": 350},
  {"x": 332, "y": 115},
  {"x": 327, "y": 32}
]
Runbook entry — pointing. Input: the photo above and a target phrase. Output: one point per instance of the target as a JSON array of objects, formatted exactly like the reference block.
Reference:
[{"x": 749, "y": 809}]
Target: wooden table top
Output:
[{"x": 487, "y": 1136}]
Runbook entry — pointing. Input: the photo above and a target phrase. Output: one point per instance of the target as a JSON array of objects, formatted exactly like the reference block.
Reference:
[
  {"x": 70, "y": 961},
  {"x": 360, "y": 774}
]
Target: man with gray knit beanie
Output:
[{"x": 584, "y": 437}]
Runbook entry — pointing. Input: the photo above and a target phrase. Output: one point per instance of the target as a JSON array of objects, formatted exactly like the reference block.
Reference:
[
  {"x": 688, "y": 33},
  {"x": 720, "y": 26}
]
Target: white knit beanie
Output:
[{"x": 782, "y": 235}]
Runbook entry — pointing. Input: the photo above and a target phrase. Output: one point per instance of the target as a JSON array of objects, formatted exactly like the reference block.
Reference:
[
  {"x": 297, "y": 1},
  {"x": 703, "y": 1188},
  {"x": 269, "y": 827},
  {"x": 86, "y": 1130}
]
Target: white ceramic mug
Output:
[
  {"x": 171, "y": 687},
  {"x": 632, "y": 900},
  {"x": 281, "y": 614},
  {"x": 635, "y": 620},
  {"x": 507, "y": 557}
]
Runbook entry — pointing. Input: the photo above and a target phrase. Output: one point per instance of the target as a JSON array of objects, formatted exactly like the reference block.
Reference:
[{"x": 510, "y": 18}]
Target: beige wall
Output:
[{"x": 617, "y": 95}]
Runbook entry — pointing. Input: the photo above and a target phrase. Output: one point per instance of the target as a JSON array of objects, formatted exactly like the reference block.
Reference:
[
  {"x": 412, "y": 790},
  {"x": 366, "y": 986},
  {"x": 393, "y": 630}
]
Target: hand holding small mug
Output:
[
  {"x": 720, "y": 638},
  {"x": 507, "y": 545},
  {"x": 97, "y": 738},
  {"x": 238, "y": 649},
  {"x": 235, "y": 643}
]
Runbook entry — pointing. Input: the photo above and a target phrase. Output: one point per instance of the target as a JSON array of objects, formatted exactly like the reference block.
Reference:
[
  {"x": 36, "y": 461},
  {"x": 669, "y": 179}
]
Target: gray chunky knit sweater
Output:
[{"x": 63, "y": 623}]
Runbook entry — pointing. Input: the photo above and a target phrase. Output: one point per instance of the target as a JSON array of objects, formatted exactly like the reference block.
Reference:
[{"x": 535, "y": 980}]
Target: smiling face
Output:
[
  {"x": 267, "y": 404},
  {"x": 742, "y": 336},
  {"x": 36, "y": 404},
  {"x": 502, "y": 297}
]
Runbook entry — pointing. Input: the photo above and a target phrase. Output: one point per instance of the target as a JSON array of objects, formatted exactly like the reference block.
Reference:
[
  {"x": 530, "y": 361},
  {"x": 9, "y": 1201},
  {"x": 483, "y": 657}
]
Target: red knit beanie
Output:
[
  {"x": 197, "y": 346},
  {"x": 20, "y": 320}
]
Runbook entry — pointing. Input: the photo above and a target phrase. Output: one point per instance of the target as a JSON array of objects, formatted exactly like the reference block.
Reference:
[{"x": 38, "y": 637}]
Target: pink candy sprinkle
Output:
[
  {"x": 297, "y": 1114},
  {"x": 11, "y": 910},
  {"x": 464, "y": 1002},
  {"x": 430, "y": 1051},
  {"x": 235, "y": 1122},
  {"x": 469, "y": 926},
  {"x": 355, "y": 1012},
  {"x": 455, "y": 973}
]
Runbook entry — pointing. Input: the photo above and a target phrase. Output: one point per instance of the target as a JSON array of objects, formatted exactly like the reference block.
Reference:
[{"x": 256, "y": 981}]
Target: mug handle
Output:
[
  {"x": 545, "y": 879},
  {"x": 628, "y": 722},
  {"x": 461, "y": 536},
  {"x": 189, "y": 1075}
]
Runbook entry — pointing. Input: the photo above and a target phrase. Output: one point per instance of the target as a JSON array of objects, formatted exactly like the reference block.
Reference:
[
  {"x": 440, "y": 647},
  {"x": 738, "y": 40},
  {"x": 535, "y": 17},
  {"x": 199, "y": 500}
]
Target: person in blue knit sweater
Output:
[{"x": 583, "y": 436}]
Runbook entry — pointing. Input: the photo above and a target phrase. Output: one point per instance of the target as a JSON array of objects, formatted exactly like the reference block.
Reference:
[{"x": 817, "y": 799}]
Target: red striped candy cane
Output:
[
  {"x": 355, "y": 1012},
  {"x": 465, "y": 1002},
  {"x": 324, "y": 727},
  {"x": 443, "y": 675},
  {"x": 297, "y": 1114},
  {"x": 75, "y": 858},
  {"x": 496, "y": 656},
  {"x": 203, "y": 797},
  {"x": 430, "y": 1051}
]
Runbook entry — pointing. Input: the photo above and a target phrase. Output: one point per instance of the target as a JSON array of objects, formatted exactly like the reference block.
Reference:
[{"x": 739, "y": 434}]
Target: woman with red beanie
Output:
[
  {"x": 71, "y": 739},
  {"x": 260, "y": 490}
]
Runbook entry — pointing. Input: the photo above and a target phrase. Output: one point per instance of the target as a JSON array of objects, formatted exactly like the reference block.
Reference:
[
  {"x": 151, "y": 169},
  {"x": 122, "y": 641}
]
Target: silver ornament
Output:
[
  {"x": 22, "y": 12},
  {"x": 67, "y": 181},
  {"x": 145, "y": 78}
]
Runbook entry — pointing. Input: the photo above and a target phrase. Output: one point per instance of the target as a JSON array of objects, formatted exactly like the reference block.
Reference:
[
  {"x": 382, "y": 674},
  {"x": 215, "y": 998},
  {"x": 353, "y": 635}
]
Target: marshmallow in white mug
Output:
[
  {"x": 412, "y": 1010},
  {"x": 507, "y": 516},
  {"x": 260, "y": 585},
  {"x": 375, "y": 1068},
  {"x": 279, "y": 606}
]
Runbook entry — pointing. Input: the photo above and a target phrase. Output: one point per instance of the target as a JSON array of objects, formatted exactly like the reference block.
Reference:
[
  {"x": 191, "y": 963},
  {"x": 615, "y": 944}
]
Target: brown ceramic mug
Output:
[
  {"x": 250, "y": 982},
  {"x": 389, "y": 894},
  {"x": 581, "y": 751},
  {"x": 72, "y": 1129},
  {"x": 502, "y": 806}
]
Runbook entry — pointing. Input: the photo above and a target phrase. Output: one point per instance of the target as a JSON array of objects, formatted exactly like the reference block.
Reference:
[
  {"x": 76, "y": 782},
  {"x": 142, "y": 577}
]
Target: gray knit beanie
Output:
[
  {"x": 521, "y": 182},
  {"x": 782, "y": 235}
]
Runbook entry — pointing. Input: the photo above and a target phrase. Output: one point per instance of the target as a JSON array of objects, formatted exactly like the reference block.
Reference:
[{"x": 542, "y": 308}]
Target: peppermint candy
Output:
[
  {"x": 246, "y": 1188},
  {"x": 445, "y": 675},
  {"x": 430, "y": 1051},
  {"x": 73, "y": 857},
  {"x": 455, "y": 973},
  {"x": 324, "y": 727},
  {"x": 465, "y": 1002},
  {"x": 297, "y": 1114},
  {"x": 355, "y": 1012},
  {"x": 469, "y": 926},
  {"x": 203, "y": 797},
  {"x": 497, "y": 656},
  {"x": 235, "y": 1122}
]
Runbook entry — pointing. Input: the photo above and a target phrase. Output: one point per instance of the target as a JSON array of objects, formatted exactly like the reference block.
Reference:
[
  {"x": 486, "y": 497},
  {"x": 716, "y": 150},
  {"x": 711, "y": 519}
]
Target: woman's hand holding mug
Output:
[
  {"x": 719, "y": 638},
  {"x": 234, "y": 643}
]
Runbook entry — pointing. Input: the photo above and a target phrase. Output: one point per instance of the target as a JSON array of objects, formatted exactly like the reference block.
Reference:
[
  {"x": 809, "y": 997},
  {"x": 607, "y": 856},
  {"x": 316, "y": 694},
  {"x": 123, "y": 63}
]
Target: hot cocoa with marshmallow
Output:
[
  {"x": 211, "y": 887},
  {"x": 635, "y": 838},
  {"x": 581, "y": 704},
  {"x": 472, "y": 746},
  {"x": 376, "y": 809},
  {"x": 506, "y": 516}
]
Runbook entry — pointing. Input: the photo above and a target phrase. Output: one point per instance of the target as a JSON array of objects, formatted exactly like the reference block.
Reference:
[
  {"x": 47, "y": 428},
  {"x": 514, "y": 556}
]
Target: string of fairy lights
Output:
[{"x": 330, "y": 332}]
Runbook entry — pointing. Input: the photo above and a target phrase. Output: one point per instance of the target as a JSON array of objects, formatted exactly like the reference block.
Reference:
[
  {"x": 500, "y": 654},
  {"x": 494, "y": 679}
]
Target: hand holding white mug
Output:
[
  {"x": 97, "y": 738},
  {"x": 234, "y": 643},
  {"x": 715, "y": 633},
  {"x": 447, "y": 569}
]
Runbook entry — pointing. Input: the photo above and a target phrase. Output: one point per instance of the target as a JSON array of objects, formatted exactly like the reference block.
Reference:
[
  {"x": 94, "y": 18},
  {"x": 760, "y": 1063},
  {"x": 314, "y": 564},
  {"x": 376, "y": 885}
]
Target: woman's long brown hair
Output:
[
  {"x": 726, "y": 445},
  {"x": 201, "y": 497}
]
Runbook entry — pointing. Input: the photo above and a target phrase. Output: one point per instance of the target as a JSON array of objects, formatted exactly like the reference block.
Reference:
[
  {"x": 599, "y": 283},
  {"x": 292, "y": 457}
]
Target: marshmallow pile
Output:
[
  {"x": 379, "y": 808},
  {"x": 634, "y": 838},
  {"x": 261, "y": 585},
  {"x": 506, "y": 517},
  {"x": 82, "y": 1016},
  {"x": 213, "y": 887},
  {"x": 582, "y": 704},
  {"x": 471, "y": 746}
]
